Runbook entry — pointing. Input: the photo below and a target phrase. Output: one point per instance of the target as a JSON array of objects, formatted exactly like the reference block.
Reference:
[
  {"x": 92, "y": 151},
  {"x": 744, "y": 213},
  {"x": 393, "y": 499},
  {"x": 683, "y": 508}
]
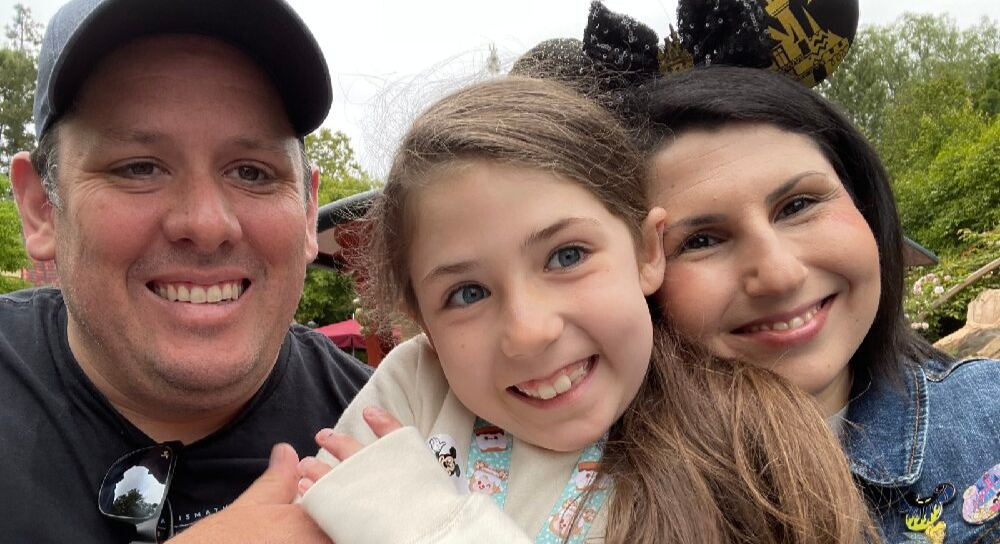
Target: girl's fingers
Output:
[
  {"x": 310, "y": 470},
  {"x": 339, "y": 445},
  {"x": 380, "y": 421}
]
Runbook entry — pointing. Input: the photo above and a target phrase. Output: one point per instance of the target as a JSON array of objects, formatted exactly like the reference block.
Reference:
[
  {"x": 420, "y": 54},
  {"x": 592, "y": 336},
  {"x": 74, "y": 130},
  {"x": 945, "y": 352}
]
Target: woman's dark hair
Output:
[{"x": 715, "y": 96}]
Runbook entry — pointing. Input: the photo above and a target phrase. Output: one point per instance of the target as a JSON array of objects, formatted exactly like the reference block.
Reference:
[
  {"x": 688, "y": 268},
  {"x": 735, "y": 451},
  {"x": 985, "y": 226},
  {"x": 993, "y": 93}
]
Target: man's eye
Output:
[
  {"x": 467, "y": 294},
  {"x": 565, "y": 258},
  {"x": 795, "y": 206},
  {"x": 248, "y": 172},
  {"x": 137, "y": 170}
]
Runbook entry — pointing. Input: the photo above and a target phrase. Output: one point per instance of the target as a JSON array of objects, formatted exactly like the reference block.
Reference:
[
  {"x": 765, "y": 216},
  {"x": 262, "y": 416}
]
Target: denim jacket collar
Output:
[{"x": 886, "y": 431}]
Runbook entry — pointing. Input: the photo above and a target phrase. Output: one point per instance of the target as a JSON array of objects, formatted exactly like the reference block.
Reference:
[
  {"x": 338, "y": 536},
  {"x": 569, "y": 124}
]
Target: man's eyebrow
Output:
[
  {"x": 788, "y": 185},
  {"x": 129, "y": 136},
  {"x": 548, "y": 232},
  {"x": 256, "y": 144}
]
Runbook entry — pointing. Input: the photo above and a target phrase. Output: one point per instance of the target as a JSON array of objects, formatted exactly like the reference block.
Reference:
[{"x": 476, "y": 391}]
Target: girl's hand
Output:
[{"x": 342, "y": 446}]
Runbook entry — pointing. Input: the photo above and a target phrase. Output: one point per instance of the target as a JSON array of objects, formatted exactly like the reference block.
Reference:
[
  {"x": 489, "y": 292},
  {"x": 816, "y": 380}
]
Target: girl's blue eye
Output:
[
  {"x": 565, "y": 258},
  {"x": 467, "y": 294}
]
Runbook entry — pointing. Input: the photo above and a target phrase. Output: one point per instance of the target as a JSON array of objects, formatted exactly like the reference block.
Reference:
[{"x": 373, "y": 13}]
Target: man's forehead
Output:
[{"x": 182, "y": 83}]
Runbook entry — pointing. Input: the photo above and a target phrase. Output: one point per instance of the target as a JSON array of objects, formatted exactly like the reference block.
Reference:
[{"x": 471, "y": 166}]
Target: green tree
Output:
[
  {"x": 17, "y": 91},
  {"x": 23, "y": 32},
  {"x": 12, "y": 255},
  {"x": 885, "y": 59},
  {"x": 327, "y": 296},
  {"x": 133, "y": 504}
]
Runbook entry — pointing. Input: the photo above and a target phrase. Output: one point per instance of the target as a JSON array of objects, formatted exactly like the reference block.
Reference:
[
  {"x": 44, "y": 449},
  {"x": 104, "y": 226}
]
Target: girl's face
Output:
[
  {"x": 532, "y": 294},
  {"x": 768, "y": 258}
]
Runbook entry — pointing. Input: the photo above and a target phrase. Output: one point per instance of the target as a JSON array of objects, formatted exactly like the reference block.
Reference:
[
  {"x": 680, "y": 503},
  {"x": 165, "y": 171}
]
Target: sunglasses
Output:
[{"x": 134, "y": 491}]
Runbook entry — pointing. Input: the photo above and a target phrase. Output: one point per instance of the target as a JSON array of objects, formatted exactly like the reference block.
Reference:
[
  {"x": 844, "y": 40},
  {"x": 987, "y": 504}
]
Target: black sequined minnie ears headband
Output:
[{"x": 805, "y": 39}]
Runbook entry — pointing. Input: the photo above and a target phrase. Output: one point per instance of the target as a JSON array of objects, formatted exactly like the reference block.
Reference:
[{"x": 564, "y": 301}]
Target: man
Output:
[{"x": 171, "y": 188}]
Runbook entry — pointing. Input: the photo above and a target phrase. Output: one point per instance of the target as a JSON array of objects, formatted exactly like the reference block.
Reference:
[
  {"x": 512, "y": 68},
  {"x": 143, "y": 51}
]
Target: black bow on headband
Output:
[{"x": 805, "y": 39}]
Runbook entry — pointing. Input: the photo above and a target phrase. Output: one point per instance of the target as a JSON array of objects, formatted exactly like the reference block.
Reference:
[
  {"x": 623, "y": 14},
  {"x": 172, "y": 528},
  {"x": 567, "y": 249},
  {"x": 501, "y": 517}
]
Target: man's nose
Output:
[{"x": 202, "y": 214}]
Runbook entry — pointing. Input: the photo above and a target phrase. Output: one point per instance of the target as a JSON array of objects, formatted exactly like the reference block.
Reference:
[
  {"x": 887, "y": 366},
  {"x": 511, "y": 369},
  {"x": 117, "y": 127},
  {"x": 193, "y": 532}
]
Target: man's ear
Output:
[
  {"x": 312, "y": 242},
  {"x": 37, "y": 213},
  {"x": 652, "y": 262}
]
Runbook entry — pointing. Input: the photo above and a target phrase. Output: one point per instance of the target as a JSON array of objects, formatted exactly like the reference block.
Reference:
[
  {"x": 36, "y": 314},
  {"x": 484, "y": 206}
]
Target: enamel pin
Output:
[{"x": 981, "y": 501}]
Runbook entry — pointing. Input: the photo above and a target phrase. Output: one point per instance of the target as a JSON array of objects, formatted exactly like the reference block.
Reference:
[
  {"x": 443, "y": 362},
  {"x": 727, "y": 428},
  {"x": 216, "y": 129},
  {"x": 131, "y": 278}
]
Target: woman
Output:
[{"x": 784, "y": 248}]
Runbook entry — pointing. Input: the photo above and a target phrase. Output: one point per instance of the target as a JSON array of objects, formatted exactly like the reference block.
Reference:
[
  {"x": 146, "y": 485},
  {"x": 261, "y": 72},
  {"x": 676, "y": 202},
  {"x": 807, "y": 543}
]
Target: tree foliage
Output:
[
  {"x": 23, "y": 32},
  {"x": 17, "y": 91},
  {"x": 327, "y": 296},
  {"x": 12, "y": 255}
]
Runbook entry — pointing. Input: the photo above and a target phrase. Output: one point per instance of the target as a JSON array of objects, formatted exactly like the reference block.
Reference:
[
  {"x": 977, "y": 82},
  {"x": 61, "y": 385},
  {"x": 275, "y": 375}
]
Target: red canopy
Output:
[{"x": 346, "y": 334}]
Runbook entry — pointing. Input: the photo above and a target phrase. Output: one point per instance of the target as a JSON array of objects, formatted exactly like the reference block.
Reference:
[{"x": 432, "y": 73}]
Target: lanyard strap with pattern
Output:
[{"x": 489, "y": 468}]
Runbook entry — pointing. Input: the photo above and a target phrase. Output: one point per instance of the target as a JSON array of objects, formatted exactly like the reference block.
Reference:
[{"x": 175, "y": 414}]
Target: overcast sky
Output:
[{"x": 389, "y": 58}]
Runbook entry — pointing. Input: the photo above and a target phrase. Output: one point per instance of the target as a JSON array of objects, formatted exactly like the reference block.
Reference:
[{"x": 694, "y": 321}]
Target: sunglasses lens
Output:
[{"x": 136, "y": 485}]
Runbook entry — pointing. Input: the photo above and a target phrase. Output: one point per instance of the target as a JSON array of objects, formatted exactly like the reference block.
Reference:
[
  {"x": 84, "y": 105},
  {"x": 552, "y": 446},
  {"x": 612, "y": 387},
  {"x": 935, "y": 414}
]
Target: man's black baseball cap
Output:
[{"x": 268, "y": 31}]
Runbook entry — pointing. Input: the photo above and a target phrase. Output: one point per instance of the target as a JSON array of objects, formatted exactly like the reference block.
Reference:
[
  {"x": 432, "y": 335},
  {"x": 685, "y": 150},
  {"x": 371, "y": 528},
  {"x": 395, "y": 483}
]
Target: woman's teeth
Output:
[{"x": 791, "y": 324}]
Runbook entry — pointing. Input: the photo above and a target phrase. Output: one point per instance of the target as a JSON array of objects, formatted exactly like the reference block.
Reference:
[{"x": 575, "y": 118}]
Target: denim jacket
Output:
[{"x": 944, "y": 428}]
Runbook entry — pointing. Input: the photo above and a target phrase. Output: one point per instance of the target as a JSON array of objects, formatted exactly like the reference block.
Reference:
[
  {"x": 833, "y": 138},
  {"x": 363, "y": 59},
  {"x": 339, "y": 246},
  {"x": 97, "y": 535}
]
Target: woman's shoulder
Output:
[{"x": 959, "y": 372}]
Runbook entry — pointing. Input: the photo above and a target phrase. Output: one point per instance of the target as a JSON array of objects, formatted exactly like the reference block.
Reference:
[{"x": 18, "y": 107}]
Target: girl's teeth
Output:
[
  {"x": 563, "y": 384},
  {"x": 546, "y": 392}
]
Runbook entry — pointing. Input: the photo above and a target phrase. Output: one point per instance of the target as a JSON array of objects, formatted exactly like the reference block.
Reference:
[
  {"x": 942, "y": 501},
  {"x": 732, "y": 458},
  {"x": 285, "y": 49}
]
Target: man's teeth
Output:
[
  {"x": 791, "y": 324},
  {"x": 200, "y": 294},
  {"x": 561, "y": 384}
]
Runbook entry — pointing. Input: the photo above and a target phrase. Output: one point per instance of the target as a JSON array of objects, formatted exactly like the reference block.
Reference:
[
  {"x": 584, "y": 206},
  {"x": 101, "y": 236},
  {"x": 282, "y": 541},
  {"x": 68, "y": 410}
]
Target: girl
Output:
[
  {"x": 784, "y": 248},
  {"x": 514, "y": 229}
]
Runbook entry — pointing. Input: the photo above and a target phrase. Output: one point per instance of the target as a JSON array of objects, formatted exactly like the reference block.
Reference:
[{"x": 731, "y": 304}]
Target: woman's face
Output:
[{"x": 768, "y": 259}]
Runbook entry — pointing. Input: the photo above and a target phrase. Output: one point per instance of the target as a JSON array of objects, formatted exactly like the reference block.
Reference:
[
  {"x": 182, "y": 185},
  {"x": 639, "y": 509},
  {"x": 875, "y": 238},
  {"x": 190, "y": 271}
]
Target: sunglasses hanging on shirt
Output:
[{"x": 134, "y": 491}]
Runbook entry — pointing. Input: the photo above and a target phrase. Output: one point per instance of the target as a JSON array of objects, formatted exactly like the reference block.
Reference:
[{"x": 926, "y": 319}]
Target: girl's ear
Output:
[{"x": 651, "y": 259}]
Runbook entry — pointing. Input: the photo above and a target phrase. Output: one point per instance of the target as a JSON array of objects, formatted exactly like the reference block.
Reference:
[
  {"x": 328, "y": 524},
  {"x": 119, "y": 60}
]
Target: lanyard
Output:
[{"x": 489, "y": 468}]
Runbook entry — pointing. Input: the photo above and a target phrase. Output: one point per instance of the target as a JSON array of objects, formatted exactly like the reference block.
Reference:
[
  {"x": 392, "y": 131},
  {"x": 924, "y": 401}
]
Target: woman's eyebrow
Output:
[
  {"x": 698, "y": 221},
  {"x": 787, "y": 186}
]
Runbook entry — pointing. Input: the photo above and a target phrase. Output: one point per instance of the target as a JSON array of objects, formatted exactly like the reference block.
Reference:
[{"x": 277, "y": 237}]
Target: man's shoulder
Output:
[
  {"x": 20, "y": 311},
  {"x": 315, "y": 353}
]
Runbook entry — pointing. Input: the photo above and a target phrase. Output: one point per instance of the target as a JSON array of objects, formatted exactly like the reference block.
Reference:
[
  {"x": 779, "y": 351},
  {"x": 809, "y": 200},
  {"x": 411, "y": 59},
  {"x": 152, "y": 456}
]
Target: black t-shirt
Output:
[{"x": 59, "y": 434}]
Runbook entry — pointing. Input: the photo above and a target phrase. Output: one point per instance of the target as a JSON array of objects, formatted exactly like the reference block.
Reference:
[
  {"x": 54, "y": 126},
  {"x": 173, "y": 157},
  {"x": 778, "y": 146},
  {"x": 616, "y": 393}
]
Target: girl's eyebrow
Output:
[
  {"x": 532, "y": 239},
  {"x": 449, "y": 270},
  {"x": 548, "y": 232}
]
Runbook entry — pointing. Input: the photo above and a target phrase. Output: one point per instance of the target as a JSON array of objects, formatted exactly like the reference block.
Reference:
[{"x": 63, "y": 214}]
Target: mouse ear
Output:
[
  {"x": 811, "y": 37},
  {"x": 732, "y": 32},
  {"x": 619, "y": 44}
]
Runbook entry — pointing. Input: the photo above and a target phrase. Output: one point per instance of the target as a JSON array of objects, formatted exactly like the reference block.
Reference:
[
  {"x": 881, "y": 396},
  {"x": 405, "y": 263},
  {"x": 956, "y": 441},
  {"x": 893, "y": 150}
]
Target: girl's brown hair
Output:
[{"x": 710, "y": 450}]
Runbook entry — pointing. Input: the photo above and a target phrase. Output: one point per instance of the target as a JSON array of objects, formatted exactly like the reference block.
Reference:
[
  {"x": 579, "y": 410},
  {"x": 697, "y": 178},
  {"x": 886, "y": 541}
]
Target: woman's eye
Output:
[
  {"x": 467, "y": 294},
  {"x": 699, "y": 241},
  {"x": 795, "y": 206},
  {"x": 565, "y": 258}
]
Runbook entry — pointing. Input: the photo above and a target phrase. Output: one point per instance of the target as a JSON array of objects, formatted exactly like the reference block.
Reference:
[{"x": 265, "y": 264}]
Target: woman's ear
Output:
[
  {"x": 36, "y": 211},
  {"x": 652, "y": 262}
]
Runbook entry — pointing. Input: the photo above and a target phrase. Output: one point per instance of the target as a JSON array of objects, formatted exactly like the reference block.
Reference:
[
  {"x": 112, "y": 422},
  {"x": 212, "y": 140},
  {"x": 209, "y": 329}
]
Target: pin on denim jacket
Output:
[{"x": 906, "y": 445}]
